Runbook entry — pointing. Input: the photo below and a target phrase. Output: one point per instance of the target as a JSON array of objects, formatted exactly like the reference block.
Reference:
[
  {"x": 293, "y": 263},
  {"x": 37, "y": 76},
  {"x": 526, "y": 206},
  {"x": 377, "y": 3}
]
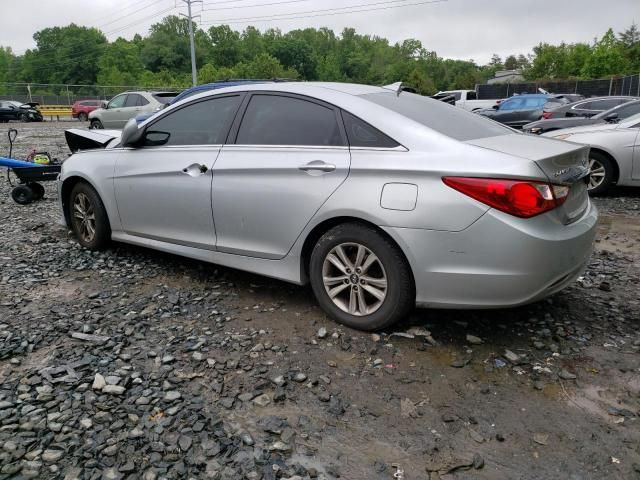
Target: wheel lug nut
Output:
[
  {"x": 362, "y": 282},
  {"x": 348, "y": 270}
]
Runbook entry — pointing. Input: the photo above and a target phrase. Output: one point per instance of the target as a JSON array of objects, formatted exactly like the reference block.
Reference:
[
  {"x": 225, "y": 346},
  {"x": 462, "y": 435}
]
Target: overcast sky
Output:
[{"x": 464, "y": 29}]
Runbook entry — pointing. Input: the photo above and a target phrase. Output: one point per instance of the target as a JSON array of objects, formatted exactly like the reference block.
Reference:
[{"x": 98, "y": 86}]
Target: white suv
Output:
[{"x": 127, "y": 105}]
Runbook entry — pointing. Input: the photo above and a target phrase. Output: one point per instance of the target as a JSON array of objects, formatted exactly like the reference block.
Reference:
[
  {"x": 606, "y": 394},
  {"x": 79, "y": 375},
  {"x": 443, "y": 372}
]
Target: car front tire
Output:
[
  {"x": 361, "y": 278},
  {"x": 96, "y": 124},
  {"x": 88, "y": 217}
]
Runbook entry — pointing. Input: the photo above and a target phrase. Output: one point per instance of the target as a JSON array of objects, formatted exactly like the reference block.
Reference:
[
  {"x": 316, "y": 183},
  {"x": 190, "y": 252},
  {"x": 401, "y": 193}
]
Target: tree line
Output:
[{"x": 80, "y": 55}]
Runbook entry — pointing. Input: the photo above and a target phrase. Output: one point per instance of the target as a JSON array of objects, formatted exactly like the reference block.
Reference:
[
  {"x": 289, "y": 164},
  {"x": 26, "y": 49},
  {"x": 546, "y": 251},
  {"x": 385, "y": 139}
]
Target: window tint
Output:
[
  {"x": 279, "y": 120},
  {"x": 471, "y": 95},
  {"x": 118, "y": 101},
  {"x": 135, "y": 100},
  {"x": 443, "y": 118},
  {"x": 627, "y": 110},
  {"x": 605, "y": 104},
  {"x": 511, "y": 104},
  {"x": 534, "y": 102},
  {"x": 361, "y": 134},
  {"x": 202, "y": 123}
]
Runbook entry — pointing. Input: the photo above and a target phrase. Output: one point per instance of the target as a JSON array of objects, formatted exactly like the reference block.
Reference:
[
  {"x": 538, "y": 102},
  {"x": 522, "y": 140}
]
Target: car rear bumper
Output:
[{"x": 499, "y": 261}]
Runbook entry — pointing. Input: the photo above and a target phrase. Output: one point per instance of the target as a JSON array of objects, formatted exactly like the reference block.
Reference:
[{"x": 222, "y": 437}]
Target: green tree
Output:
[
  {"x": 167, "y": 46},
  {"x": 64, "y": 55},
  {"x": 225, "y": 46},
  {"x": 120, "y": 64},
  {"x": 607, "y": 58},
  {"x": 630, "y": 41},
  {"x": 264, "y": 66}
]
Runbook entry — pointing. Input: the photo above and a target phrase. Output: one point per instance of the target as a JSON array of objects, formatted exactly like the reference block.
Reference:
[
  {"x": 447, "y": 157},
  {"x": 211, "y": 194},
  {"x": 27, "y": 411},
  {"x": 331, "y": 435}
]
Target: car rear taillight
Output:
[
  {"x": 520, "y": 198},
  {"x": 546, "y": 115}
]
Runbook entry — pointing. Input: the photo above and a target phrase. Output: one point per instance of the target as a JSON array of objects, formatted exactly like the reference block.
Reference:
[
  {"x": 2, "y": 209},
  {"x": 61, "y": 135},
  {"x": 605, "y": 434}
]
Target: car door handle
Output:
[
  {"x": 317, "y": 166},
  {"x": 195, "y": 169}
]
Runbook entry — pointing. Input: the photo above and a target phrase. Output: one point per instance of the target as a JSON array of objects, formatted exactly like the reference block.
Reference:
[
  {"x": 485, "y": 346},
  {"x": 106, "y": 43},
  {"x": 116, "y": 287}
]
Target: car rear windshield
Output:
[
  {"x": 164, "y": 97},
  {"x": 439, "y": 116}
]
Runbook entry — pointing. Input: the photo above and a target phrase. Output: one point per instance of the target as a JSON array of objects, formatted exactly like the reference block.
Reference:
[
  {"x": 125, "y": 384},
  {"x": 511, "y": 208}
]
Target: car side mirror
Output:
[
  {"x": 612, "y": 117},
  {"x": 154, "y": 138},
  {"x": 131, "y": 134},
  {"x": 496, "y": 107}
]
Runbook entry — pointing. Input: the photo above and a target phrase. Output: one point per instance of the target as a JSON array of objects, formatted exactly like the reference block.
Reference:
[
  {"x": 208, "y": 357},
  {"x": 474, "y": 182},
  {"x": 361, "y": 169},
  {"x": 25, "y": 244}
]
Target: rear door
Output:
[{"x": 289, "y": 154}]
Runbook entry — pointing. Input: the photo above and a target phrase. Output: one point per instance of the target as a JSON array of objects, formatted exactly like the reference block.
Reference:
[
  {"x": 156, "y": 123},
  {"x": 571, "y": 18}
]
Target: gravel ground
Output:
[{"x": 132, "y": 363}]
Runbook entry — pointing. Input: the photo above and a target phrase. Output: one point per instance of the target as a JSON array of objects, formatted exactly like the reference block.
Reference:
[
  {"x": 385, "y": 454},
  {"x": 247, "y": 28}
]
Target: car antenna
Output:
[{"x": 396, "y": 87}]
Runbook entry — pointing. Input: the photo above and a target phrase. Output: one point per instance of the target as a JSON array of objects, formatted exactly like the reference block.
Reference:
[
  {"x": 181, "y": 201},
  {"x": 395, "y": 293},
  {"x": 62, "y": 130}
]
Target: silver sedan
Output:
[
  {"x": 379, "y": 198},
  {"x": 615, "y": 152}
]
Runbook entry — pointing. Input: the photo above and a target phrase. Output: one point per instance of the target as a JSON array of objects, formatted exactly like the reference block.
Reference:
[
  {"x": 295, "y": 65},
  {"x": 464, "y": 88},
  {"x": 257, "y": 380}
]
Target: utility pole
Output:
[{"x": 194, "y": 71}]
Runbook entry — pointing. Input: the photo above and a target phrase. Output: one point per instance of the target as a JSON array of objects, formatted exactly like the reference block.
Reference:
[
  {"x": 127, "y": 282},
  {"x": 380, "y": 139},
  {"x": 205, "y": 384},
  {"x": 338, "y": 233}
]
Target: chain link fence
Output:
[
  {"x": 60, "y": 94},
  {"x": 627, "y": 86}
]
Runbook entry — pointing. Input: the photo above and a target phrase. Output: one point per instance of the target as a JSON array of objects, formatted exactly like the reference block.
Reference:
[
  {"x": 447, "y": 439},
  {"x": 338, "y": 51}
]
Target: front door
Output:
[
  {"x": 289, "y": 156},
  {"x": 164, "y": 192},
  {"x": 111, "y": 116}
]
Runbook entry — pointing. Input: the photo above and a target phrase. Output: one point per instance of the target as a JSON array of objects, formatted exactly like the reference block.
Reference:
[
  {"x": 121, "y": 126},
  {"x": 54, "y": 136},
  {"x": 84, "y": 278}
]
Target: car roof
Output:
[{"x": 214, "y": 86}]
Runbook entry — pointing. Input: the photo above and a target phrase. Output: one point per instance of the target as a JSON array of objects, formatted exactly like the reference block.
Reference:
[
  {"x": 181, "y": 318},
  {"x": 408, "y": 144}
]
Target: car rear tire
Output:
[
  {"x": 361, "y": 278},
  {"x": 83, "y": 117},
  {"x": 24, "y": 117},
  {"x": 88, "y": 216},
  {"x": 96, "y": 124},
  {"x": 22, "y": 194},
  {"x": 38, "y": 190},
  {"x": 602, "y": 173}
]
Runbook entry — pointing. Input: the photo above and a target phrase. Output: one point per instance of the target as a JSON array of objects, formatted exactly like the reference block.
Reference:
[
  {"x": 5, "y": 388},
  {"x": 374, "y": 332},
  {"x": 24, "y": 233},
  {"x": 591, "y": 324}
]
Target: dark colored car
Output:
[
  {"x": 613, "y": 115},
  {"x": 23, "y": 112},
  {"x": 82, "y": 108},
  {"x": 585, "y": 108},
  {"x": 520, "y": 110}
]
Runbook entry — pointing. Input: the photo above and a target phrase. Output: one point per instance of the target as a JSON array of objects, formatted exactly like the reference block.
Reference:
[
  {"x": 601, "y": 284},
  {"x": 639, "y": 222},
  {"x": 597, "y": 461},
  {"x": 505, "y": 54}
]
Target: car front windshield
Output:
[{"x": 439, "y": 116}]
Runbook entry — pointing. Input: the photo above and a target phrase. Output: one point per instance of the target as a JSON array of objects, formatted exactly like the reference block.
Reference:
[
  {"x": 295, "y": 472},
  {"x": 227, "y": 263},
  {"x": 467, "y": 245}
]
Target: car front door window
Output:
[
  {"x": 203, "y": 123},
  {"x": 117, "y": 102}
]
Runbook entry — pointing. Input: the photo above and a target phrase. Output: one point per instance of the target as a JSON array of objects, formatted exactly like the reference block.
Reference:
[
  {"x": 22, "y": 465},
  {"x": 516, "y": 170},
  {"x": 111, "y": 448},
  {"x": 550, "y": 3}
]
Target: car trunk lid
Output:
[{"x": 563, "y": 163}]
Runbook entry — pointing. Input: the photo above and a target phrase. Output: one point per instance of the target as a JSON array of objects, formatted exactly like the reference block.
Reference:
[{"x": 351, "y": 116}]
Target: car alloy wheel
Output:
[
  {"x": 354, "y": 279},
  {"x": 597, "y": 173},
  {"x": 84, "y": 217}
]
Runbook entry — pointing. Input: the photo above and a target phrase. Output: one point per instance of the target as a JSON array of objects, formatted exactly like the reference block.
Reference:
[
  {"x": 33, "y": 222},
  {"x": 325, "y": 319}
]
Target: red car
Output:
[{"x": 82, "y": 108}]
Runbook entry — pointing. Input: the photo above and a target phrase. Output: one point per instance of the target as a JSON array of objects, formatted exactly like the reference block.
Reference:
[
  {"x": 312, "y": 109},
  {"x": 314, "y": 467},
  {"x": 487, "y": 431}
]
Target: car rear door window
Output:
[
  {"x": 133, "y": 100},
  {"x": 283, "y": 120},
  {"x": 604, "y": 104},
  {"x": 206, "y": 122},
  {"x": 361, "y": 134}
]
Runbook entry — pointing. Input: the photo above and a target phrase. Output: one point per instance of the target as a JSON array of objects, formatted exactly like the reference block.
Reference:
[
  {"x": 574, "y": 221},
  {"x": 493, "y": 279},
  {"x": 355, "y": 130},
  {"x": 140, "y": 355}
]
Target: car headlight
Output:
[{"x": 564, "y": 136}]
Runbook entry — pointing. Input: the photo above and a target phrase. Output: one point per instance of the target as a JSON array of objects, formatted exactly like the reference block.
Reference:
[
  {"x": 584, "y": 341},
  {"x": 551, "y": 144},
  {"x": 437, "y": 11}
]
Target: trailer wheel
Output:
[
  {"x": 38, "y": 190},
  {"x": 22, "y": 194}
]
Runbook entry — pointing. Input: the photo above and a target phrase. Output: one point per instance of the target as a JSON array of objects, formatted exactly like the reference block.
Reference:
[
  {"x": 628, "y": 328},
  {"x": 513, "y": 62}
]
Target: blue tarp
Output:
[{"x": 12, "y": 163}]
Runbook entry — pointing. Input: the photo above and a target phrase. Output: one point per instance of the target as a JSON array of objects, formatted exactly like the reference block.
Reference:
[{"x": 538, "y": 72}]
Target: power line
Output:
[
  {"x": 324, "y": 12},
  {"x": 120, "y": 13},
  {"x": 125, "y": 27},
  {"x": 155, "y": 2},
  {"x": 252, "y": 6}
]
